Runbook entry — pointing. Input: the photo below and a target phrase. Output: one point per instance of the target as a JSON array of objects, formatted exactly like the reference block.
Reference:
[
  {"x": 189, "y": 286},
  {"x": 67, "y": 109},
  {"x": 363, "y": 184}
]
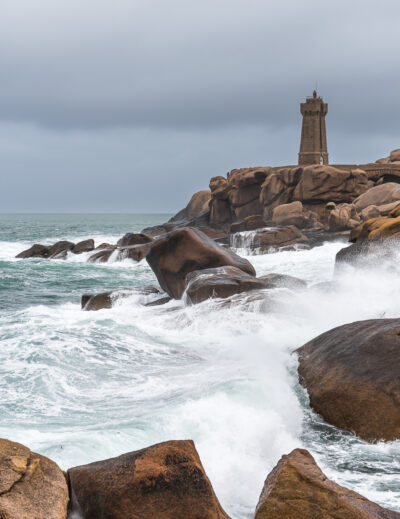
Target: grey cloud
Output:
[
  {"x": 132, "y": 105},
  {"x": 187, "y": 64}
]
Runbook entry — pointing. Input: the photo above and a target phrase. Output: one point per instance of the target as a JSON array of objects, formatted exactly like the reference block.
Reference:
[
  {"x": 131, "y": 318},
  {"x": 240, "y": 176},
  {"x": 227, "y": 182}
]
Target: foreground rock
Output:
[
  {"x": 219, "y": 282},
  {"x": 165, "y": 481},
  {"x": 352, "y": 377},
  {"x": 31, "y": 486},
  {"x": 298, "y": 489},
  {"x": 176, "y": 254}
]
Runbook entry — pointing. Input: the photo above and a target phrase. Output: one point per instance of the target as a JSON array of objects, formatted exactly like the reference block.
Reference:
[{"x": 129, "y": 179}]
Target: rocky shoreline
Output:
[
  {"x": 350, "y": 372},
  {"x": 165, "y": 481}
]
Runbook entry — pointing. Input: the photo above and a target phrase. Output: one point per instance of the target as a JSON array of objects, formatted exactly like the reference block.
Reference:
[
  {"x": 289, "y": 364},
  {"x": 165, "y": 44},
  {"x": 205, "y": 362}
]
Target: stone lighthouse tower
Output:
[{"x": 313, "y": 148}]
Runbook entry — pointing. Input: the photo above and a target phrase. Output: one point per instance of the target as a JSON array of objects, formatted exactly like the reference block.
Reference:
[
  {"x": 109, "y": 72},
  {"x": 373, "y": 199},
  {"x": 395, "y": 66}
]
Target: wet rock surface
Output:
[
  {"x": 165, "y": 481},
  {"x": 351, "y": 374},
  {"x": 219, "y": 282},
  {"x": 173, "y": 256},
  {"x": 31, "y": 485},
  {"x": 298, "y": 489}
]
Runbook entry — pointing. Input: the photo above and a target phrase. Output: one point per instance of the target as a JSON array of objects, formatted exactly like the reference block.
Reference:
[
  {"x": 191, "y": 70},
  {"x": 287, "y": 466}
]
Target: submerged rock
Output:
[
  {"x": 103, "y": 255},
  {"x": 31, "y": 485},
  {"x": 219, "y": 282},
  {"x": 107, "y": 299},
  {"x": 351, "y": 374},
  {"x": 275, "y": 280},
  {"x": 176, "y": 254},
  {"x": 165, "y": 481},
  {"x": 298, "y": 489}
]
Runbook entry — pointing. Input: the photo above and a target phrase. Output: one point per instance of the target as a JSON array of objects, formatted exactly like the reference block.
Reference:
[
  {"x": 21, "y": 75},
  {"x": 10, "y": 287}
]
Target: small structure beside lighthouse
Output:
[{"x": 313, "y": 147}]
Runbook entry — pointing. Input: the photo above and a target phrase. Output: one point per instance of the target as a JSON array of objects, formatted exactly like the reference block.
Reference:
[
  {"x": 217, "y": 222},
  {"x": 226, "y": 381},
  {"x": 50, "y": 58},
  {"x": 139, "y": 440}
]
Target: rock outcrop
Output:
[
  {"x": 352, "y": 377},
  {"x": 198, "y": 205},
  {"x": 342, "y": 217},
  {"x": 165, "y": 481},
  {"x": 298, "y": 489},
  {"x": 83, "y": 246},
  {"x": 270, "y": 240},
  {"x": 321, "y": 184},
  {"x": 371, "y": 240},
  {"x": 36, "y": 251},
  {"x": 250, "y": 223},
  {"x": 278, "y": 189},
  {"x": 219, "y": 282},
  {"x": 293, "y": 214},
  {"x": 185, "y": 250},
  {"x": 31, "y": 485}
]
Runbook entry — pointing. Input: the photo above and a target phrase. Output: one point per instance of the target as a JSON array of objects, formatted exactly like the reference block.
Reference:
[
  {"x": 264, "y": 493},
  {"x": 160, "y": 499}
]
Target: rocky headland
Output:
[{"x": 351, "y": 373}]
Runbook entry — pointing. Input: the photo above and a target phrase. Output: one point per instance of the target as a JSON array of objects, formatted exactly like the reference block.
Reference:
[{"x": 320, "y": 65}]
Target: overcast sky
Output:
[{"x": 132, "y": 105}]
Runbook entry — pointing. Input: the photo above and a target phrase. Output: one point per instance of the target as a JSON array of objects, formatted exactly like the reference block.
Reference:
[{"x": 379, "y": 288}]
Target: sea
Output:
[{"x": 81, "y": 386}]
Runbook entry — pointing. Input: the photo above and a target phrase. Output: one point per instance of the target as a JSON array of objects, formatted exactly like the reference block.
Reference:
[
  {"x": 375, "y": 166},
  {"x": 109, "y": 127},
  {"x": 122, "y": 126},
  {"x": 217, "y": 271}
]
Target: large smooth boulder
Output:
[
  {"x": 321, "y": 184},
  {"x": 378, "y": 195},
  {"x": 342, "y": 217},
  {"x": 298, "y": 489},
  {"x": 133, "y": 238},
  {"x": 36, "y": 251},
  {"x": 185, "y": 250},
  {"x": 165, "y": 481},
  {"x": 395, "y": 156},
  {"x": 352, "y": 377},
  {"x": 219, "y": 282},
  {"x": 270, "y": 240},
  {"x": 292, "y": 214},
  {"x": 31, "y": 485}
]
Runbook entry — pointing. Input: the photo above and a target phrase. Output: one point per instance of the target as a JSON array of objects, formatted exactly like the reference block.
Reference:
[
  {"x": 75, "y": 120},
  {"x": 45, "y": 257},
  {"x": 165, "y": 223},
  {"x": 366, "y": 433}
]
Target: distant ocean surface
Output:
[{"x": 83, "y": 386}]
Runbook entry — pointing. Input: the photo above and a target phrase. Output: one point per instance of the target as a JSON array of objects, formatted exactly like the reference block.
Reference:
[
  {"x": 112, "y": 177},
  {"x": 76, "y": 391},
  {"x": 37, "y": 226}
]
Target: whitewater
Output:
[{"x": 84, "y": 386}]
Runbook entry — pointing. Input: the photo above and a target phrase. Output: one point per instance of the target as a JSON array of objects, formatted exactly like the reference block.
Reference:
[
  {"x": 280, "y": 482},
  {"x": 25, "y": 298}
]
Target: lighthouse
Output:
[{"x": 313, "y": 147}]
